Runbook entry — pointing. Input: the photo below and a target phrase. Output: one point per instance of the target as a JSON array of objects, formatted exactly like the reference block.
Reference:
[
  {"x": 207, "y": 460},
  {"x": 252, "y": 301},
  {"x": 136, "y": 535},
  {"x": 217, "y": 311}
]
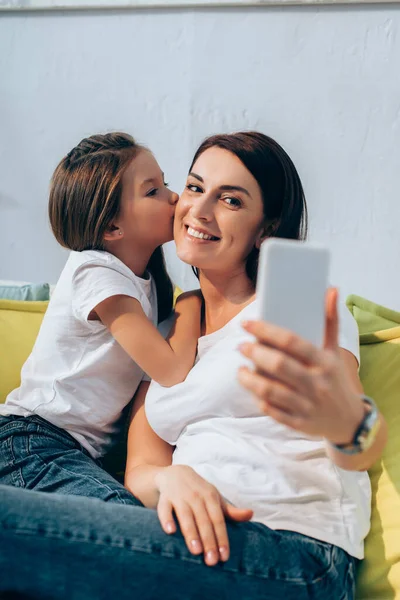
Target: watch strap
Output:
[{"x": 366, "y": 432}]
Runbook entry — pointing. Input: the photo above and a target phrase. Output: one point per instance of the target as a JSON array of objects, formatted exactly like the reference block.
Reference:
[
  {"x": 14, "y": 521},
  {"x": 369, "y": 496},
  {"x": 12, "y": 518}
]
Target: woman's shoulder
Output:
[{"x": 348, "y": 331}]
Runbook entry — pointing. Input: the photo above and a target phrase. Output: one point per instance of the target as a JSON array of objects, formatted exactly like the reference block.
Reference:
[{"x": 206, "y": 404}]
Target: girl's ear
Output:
[
  {"x": 113, "y": 233},
  {"x": 267, "y": 231}
]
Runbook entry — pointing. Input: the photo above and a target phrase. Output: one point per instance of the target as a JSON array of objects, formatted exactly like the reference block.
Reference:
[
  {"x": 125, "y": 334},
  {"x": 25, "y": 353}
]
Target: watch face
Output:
[{"x": 367, "y": 437}]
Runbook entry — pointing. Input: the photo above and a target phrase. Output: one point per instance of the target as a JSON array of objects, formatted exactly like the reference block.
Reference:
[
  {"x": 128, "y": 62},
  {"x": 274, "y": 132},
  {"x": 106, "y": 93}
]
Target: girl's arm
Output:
[{"x": 167, "y": 362}]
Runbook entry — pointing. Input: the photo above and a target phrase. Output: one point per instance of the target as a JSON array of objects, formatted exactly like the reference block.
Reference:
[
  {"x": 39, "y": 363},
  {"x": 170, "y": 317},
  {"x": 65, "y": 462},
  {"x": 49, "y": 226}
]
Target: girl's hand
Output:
[
  {"x": 200, "y": 510},
  {"x": 304, "y": 387}
]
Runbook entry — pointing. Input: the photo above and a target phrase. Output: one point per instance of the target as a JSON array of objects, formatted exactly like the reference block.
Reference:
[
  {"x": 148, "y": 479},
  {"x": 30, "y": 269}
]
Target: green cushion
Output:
[
  {"x": 379, "y": 574},
  {"x": 24, "y": 291}
]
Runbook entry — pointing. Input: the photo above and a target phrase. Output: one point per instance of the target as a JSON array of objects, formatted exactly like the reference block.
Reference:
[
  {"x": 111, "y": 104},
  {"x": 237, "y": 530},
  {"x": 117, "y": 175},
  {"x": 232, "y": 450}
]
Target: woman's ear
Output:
[
  {"x": 112, "y": 233},
  {"x": 267, "y": 231}
]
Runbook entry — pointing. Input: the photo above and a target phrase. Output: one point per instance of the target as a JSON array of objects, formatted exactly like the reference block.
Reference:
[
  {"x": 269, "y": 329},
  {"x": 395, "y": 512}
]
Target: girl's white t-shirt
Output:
[
  {"x": 286, "y": 477},
  {"x": 78, "y": 377}
]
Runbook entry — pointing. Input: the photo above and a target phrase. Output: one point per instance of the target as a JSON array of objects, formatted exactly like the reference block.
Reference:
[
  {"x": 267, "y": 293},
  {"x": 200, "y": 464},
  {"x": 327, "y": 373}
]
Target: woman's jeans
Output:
[{"x": 61, "y": 546}]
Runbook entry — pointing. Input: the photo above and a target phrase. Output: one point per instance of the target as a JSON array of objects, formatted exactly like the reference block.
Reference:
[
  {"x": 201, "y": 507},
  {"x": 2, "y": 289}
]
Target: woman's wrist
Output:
[
  {"x": 356, "y": 410},
  {"x": 142, "y": 481},
  {"x": 367, "y": 432},
  {"x": 159, "y": 477}
]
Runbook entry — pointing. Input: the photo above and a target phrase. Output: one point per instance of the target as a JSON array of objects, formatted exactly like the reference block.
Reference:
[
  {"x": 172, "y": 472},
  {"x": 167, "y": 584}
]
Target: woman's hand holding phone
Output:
[{"x": 300, "y": 385}]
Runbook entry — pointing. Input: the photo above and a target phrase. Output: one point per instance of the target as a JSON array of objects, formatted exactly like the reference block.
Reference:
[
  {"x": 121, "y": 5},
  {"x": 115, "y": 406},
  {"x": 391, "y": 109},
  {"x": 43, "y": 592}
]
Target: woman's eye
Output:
[
  {"x": 193, "y": 188},
  {"x": 166, "y": 184},
  {"x": 235, "y": 202},
  {"x": 152, "y": 192}
]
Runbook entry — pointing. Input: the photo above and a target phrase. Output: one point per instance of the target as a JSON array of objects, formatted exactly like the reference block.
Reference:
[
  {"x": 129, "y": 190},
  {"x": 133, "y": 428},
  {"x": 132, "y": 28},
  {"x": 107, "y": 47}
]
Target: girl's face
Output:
[
  {"x": 219, "y": 217},
  {"x": 147, "y": 207}
]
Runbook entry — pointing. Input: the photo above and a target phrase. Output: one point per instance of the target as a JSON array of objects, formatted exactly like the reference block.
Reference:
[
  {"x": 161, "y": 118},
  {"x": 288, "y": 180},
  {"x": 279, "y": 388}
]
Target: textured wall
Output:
[{"x": 324, "y": 81}]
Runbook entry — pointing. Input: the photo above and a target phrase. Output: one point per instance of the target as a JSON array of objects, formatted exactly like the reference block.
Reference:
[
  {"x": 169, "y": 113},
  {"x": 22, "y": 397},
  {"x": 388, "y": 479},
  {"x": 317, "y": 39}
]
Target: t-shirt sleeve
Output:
[
  {"x": 348, "y": 331},
  {"x": 92, "y": 283}
]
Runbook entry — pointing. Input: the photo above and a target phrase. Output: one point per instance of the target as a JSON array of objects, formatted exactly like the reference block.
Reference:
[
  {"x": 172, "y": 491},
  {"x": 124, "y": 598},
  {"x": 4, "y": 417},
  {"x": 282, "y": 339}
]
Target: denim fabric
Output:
[
  {"x": 74, "y": 548},
  {"x": 37, "y": 455}
]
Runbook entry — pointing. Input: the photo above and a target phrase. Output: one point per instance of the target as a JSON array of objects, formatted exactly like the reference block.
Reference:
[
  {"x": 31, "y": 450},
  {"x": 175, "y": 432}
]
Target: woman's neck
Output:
[{"x": 224, "y": 298}]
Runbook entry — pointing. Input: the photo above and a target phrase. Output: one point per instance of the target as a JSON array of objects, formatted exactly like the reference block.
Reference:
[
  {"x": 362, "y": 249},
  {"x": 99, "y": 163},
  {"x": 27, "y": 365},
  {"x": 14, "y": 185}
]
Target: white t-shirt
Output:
[
  {"x": 77, "y": 376},
  {"x": 285, "y": 476}
]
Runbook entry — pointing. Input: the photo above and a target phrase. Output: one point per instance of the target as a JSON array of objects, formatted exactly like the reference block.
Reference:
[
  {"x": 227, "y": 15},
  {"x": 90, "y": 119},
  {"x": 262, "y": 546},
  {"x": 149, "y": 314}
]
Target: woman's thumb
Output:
[{"x": 237, "y": 514}]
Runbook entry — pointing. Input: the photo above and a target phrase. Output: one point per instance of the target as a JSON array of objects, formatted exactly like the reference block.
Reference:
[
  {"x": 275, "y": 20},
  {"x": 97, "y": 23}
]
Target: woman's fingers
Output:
[
  {"x": 331, "y": 320},
  {"x": 205, "y": 527},
  {"x": 165, "y": 515},
  {"x": 211, "y": 523},
  {"x": 189, "y": 528},
  {"x": 283, "y": 340},
  {"x": 272, "y": 393},
  {"x": 279, "y": 366},
  {"x": 237, "y": 514},
  {"x": 216, "y": 514}
]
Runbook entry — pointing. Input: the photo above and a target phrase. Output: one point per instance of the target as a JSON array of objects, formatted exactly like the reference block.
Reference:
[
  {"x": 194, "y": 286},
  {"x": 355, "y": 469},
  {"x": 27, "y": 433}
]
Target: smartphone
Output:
[{"x": 292, "y": 281}]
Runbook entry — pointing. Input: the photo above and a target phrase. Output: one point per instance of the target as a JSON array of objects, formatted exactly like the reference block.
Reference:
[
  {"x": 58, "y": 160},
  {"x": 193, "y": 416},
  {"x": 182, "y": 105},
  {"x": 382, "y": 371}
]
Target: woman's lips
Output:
[{"x": 195, "y": 235}]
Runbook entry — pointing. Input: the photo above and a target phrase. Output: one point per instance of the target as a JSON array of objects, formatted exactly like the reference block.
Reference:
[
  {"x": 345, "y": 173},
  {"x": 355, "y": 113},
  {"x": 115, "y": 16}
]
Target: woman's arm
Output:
[
  {"x": 364, "y": 460},
  {"x": 167, "y": 362},
  {"x": 198, "y": 506},
  {"x": 315, "y": 391},
  {"x": 147, "y": 454}
]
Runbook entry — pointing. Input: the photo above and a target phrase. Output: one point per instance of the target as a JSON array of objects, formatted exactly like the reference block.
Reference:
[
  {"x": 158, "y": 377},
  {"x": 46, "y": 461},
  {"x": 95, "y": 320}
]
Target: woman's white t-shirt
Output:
[
  {"x": 286, "y": 477},
  {"x": 77, "y": 376}
]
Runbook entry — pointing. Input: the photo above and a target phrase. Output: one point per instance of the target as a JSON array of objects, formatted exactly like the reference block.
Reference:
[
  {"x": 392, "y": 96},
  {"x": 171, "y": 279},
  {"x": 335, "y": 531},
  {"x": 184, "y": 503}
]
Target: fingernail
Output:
[
  {"x": 170, "y": 527},
  {"x": 242, "y": 371},
  {"x": 224, "y": 553},
  {"x": 246, "y": 324},
  {"x": 211, "y": 557},
  {"x": 195, "y": 546}
]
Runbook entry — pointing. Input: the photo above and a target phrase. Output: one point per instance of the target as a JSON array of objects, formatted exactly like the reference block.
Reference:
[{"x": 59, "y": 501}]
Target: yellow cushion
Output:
[
  {"x": 19, "y": 326},
  {"x": 379, "y": 575},
  {"x": 177, "y": 293}
]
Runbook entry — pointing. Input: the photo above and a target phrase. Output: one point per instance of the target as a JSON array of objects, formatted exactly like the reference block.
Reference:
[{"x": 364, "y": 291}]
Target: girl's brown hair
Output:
[{"x": 85, "y": 195}]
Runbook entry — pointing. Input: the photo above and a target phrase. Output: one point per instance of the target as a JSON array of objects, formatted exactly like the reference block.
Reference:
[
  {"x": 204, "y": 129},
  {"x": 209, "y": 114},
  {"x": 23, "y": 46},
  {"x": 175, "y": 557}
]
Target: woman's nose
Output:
[{"x": 202, "y": 209}]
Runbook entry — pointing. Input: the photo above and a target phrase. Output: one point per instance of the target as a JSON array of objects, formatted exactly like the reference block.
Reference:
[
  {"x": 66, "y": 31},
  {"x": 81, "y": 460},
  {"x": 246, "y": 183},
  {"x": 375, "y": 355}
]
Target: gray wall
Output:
[{"x": 325, "y": 81}]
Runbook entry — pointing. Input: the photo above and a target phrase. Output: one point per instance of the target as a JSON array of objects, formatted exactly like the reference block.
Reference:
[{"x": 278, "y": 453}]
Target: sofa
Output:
[{"x": 378, "y": 577}]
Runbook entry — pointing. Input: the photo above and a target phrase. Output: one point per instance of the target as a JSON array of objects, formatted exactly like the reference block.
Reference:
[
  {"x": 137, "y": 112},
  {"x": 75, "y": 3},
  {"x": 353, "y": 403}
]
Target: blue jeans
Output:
[
  {"x": 37, "y": 455},
  {"x": 65, "y": 547}
]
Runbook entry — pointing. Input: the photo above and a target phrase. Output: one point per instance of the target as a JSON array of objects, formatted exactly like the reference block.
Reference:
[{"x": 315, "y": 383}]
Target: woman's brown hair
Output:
[
  {"x": 85, "y": 195},
  {"x": 285, "y": 208}
]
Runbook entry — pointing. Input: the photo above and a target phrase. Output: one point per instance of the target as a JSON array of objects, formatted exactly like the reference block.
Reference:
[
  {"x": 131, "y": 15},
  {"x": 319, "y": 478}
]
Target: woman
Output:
[{"x": 277, "y": 461}]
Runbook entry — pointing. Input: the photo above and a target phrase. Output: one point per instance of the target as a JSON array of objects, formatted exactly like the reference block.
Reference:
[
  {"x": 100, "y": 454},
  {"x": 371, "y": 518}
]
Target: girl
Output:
[{"x": 110, "y": 205}]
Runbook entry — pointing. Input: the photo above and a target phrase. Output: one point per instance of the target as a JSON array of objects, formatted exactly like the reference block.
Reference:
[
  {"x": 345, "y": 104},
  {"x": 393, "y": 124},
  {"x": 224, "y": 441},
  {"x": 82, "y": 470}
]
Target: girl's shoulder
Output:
[
  {"x": 94, "y": 257},
  {"x": 87, "y": 261}
]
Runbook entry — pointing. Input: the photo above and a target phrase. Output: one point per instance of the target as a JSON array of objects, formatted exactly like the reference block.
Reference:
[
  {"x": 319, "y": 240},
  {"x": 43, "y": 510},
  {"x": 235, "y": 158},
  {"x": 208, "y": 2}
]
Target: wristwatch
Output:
[{"x": 366, "y": 432}]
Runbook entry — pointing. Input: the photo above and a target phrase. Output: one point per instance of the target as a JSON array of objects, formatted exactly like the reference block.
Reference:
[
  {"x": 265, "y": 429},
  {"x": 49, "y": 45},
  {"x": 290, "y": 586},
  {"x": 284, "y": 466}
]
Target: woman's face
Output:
[{"x": 219, "y": 216}]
